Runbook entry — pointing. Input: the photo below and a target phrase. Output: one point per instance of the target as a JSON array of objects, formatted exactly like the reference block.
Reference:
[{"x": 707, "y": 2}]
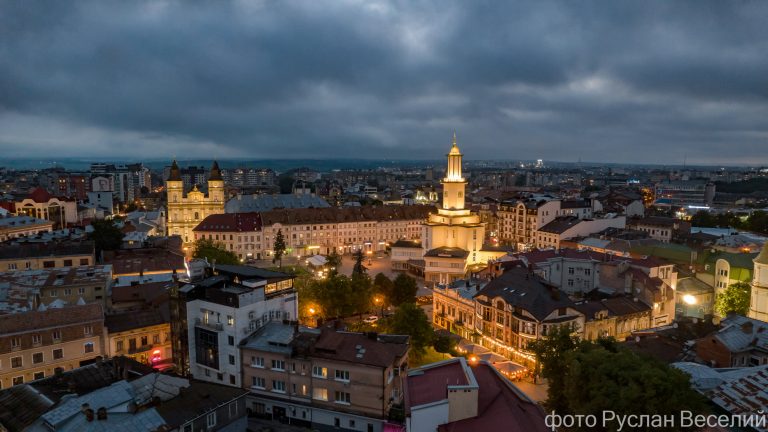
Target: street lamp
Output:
[{"x": 379, "y": 302}]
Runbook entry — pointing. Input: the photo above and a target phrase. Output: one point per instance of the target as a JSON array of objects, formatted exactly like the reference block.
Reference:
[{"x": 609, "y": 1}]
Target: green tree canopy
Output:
[
  {"x": 359, "y": 268},
  {"x": 409, "y": 319},
  {"x": 278, "y": 249},
  {"x": 734, "y": 299},
  {"x": 214, "y": 252},
  {"x": 334, "y": 261},
  {"x": 403, "y": 290},
  {"x": 587, "y": 378},
  {"x": 383, "y": 286},
  {"x": 106, "y": 236}
]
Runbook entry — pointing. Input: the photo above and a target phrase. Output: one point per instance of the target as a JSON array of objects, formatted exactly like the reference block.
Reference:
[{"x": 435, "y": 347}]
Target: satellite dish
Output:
[
  {"x": 637, "y": 339},
  {"x": 674, "y": 325},
  {"x": 695, "y": 320}
]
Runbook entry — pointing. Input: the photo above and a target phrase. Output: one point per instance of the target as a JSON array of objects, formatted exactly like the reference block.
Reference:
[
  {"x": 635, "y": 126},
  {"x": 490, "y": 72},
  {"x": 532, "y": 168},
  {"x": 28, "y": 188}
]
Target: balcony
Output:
[{"x": 209, "y": 325}]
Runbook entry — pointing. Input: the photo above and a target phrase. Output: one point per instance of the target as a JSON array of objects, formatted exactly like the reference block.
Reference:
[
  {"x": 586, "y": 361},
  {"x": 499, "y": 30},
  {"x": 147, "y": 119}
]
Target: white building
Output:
[
  {"x": 224, "y": 309},
  {"x": 758, "y": 306}
]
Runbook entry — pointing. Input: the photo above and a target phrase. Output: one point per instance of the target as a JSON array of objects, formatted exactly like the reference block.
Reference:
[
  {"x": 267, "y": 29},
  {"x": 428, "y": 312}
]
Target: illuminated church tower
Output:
[
  {"x": 452, "y": 238},
  {"x": 185, "y": 212}
]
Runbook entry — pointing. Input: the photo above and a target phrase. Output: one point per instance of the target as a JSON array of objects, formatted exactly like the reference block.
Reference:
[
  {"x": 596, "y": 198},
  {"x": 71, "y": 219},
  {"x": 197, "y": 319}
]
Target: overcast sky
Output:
[{"x": 614, "y": 81}]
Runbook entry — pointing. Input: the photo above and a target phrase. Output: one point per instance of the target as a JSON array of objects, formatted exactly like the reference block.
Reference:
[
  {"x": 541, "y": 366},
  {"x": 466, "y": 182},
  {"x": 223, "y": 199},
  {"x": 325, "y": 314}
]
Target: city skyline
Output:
[{"x": 659, "y": 83}]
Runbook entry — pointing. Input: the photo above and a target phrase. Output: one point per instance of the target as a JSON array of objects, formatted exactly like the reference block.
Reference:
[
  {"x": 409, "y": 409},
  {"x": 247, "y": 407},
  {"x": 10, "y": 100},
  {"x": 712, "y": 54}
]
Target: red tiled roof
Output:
[
  {"x": 134, "y": 261},
  {"x": 431, "y": 386},
  {"x": 500, "y": 407},
  {"x": 40, "y": 195},
  {"x": 231, "y": 222}
]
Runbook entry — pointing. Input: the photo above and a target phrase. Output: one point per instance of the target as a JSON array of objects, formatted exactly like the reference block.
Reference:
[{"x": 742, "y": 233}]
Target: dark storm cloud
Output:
[{"x": 618, "y": 81}]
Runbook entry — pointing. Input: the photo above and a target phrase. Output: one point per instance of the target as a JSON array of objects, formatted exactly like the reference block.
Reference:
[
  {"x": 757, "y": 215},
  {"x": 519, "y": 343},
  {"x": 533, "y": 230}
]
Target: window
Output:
[
  {"x": 67, "y": 263},
  {"x": 39, "y": 375},
  {"x": 210, "y": 420},
  {"x": 88, "y": 330},
  {"x": 231, "y": 359},
  {"x": 278, "y": 386},
  {"x": 278, "y": 365},
  {"x": 233, "y": 409},
  {"x": 320, "y": 393},
  {"x": 83, "y": 262},
  {"x": 257, "y": 362},
  {"x": 156, "y": 339},
  {"x": 36, "y": 339},
  {"x": 37, "y": 357},
  {"x": 16, "y": 362},
  {"x": 342, "y": 397},
  {"x": 58, "y": 354},
  {"x": 258, "y": 382},
  {"x": 119, "y": 345},
  {"x": 67, "y": 291},
  {"x": 336, "y": 422},
  {"x": 16, "y": 342},
  {"x": 231, "y": 340},
  {"x": 88, "y": 347},
  {"x": 81, "y": 290},
  {"x": 319, "y": 372},
  {"x": 230, "y": 320},
  {"x": 144, "y": 341},
  {"x": 351, "y": 423},
  {"x": 49, "y": 264},
  {"x": 571, "y": 270},
  {"x": 342, "y": 375},
  {"x": 232, "y": 379},
  {"x": 12, "y": 266},
  {"x": 587, "y": 272},
  {"x": 53, "y": 293},
  {"x": 18, "y": 380}
]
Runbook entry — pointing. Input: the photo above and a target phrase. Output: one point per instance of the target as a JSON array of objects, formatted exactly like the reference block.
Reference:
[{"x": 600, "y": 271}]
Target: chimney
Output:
[
  {"x": 84, "y": 407},
  {"x": 747, "y": 327},
  {"x": 101, "y": 413},
  {"x": 89, "y": 415}
]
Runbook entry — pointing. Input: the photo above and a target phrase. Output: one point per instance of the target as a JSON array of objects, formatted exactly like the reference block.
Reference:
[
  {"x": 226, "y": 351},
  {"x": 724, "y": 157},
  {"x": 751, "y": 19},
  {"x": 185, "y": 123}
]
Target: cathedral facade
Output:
[{"x": 187, "y": 210}]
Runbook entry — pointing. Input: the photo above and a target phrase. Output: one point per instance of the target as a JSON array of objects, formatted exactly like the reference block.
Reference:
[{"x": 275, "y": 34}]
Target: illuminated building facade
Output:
[{"x": 186, "y": 211}]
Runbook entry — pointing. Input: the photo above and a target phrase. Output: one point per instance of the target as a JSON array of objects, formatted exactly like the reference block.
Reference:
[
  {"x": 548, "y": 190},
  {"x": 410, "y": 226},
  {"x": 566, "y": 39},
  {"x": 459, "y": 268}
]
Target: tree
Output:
[
  {"x": 404, "y": 290},
  {"x": 734, "y": 299},
  {"x": 588, "y": 378},
  {"x": 278, "y": 248},
  {"x": 214, "y": 252},
  {"x": 106, "y": 236},
  {"x": 443, "y": 343},
  {"x": 334, "y": 261},
  {"x": 383, "y": 286},
  {"x": 411, "y": 320},
  {"x": 359, "y": 268}
]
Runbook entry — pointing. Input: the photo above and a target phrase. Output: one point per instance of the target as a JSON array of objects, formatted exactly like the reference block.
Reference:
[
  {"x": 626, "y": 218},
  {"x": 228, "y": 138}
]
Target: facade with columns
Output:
[
  {"x": 452, "y": 238},
  {"x": 758, "y": 305},
  {"x": 187, "y": 210}
]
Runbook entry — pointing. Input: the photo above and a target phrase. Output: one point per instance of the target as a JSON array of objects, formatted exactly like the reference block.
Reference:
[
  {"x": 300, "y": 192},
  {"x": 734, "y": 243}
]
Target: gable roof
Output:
[{"x": 527, "y": 291}]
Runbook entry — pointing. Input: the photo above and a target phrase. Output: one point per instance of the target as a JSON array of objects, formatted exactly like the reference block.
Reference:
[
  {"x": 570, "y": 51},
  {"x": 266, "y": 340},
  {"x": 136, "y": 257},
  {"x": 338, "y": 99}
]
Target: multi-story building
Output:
[
  {"x": 740, "y": 342},
  {"x": 211, "y": 316},
  {"x": 563, "y": 228},
  {"x": 313, "y": 231},
  {"x": 143, "y": 335},
  {"x": 405, "y": 252},
  {"x": 39, "y": 343},
  {"x": 758, "y": 305},
  {"x": 42, "y": 205},
  {"x": 249, "y": 177},
  {"x": 324, "y": 379},
  {"x": 519, "y": 221},
  {"x": 615, "y": 317},
  {"x": 25, "y": 290},
  {"x": 453, "y": 307},
  {"x": 12, "y": 227},
  {"x": 684, "y": 193},
  {"x": 519, "y": 307},
  {"x": 35, "y": 256},
  {"x": 660, "y": 228},
  {"x": 186, "y": 211}
]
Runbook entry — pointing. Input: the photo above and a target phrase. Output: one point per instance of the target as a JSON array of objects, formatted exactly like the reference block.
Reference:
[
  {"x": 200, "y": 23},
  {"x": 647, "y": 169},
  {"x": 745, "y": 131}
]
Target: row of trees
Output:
[
  {"x": 756, "y": 222},
  {"x": 588, "y": 378}
]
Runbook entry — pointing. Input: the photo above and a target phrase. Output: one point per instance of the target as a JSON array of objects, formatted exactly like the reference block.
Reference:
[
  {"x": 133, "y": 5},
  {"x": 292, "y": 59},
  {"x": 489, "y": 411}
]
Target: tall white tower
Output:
[{"x": 758, "y": 305}]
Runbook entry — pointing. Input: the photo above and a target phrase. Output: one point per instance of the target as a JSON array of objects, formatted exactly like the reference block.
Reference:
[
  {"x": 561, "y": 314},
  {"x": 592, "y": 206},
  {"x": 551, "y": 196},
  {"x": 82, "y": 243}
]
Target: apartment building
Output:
[
  {"x": 214, "y": 314},
  {"x": 660, "y": 228},
  {"x": 37, "y": 344},
  {"x": 564, "y": 228},
  {"x": 12, "y": 227},
  {"x": 143, "y": 335},
  {"x": 313, "y": 231},
  {"x": 35, "y": 256},
  {"x": 26, "y": 290},
  {"x": 42, "y": 205},
  {"x": 520, "y": 220},
  {"x": 324, "y": 379}
]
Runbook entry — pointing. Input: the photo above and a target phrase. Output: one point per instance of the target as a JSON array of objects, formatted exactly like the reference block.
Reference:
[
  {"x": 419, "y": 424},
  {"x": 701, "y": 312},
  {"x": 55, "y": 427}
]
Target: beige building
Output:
[
  {"x": 27, "y": 290},
  {"x": 187, "y": 210},
  {"x": 454, "y": 307},
  {"x": 324, "y": 379},
  {"x": 616, "y": 317},
  {"x": 12, "y": 227},
  {"x": 143, "y": 335},
  {"x": 520, "y": 220},
  {"x": 36, "y": 344},
  {"x": 758, "y": 306},
  {"x": 452, "y": 238},
  {"x": 313, "y": 231},
  {"x": 35, "y": 256},
  {"x": 42, "y": 205}
]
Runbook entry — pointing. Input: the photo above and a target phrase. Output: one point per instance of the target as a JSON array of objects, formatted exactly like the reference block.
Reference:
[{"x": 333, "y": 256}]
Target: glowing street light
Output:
[{"x": 689, "y": 299}]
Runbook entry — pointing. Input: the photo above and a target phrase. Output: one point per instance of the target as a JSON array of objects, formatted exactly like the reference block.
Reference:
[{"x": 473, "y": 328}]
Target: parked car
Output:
[{"x": 371, "y": 319}]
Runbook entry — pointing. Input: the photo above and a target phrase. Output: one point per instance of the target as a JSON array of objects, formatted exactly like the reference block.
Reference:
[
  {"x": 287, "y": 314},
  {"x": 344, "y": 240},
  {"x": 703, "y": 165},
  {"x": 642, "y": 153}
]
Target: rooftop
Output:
[
  {"x": 52, "y": 317},
  {"x": 231, "y": 222},
  {"x": 560, "y": 224},
  {"x": 40, "y": 250},
  {"x": 447, "y": 252},
  {"x": 262, "y": 203}
]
